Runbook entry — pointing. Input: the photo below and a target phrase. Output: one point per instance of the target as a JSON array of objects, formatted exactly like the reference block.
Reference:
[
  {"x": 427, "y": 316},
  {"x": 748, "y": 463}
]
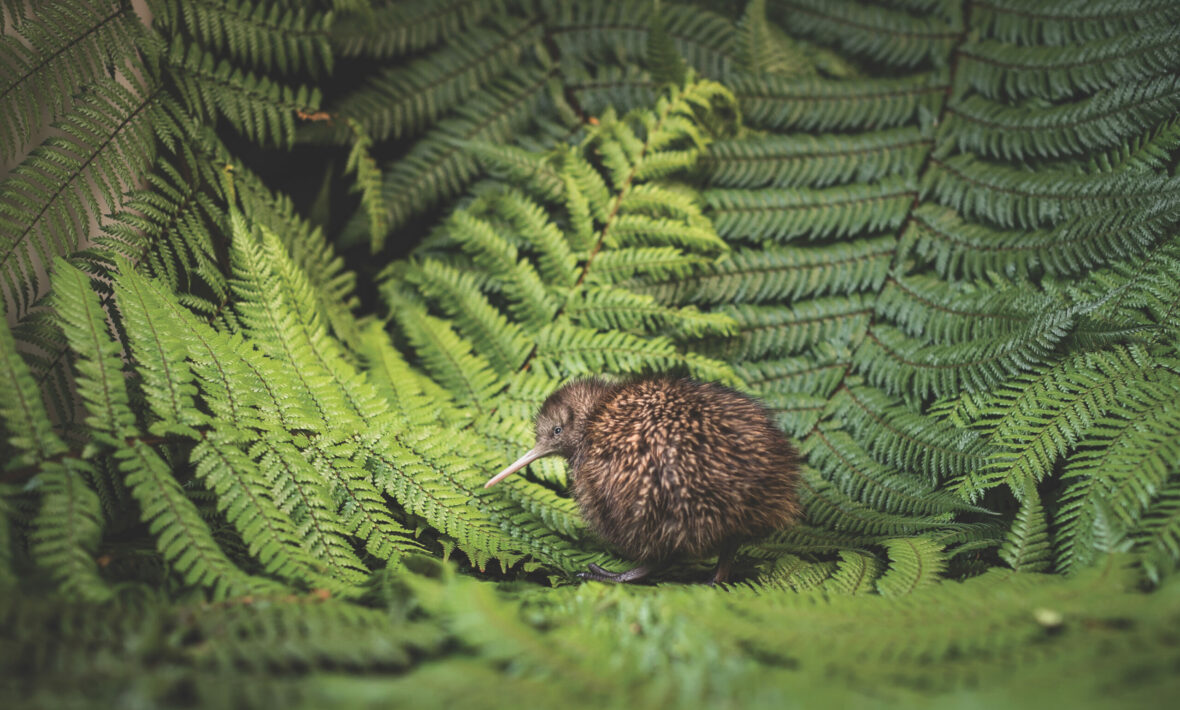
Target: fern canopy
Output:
[{"x": 285, "y": 282}]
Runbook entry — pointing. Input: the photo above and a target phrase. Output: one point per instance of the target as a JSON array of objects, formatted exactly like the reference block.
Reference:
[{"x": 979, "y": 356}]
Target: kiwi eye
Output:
[{"x": 556, "y": 430}]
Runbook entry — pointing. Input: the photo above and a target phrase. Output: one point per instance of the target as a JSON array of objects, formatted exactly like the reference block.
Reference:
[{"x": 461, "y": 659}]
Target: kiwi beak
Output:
[{"x": 515, "y": 466}]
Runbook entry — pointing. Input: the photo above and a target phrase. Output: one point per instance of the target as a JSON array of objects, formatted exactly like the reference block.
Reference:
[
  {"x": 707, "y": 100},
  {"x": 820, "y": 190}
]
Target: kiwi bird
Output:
[{"x": 665, "y": 468}]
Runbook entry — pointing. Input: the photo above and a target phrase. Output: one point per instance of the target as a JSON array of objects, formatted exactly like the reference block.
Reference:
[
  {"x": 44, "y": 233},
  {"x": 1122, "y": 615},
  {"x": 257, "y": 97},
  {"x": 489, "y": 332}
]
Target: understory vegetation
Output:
[{"x": 285, "y": 283}]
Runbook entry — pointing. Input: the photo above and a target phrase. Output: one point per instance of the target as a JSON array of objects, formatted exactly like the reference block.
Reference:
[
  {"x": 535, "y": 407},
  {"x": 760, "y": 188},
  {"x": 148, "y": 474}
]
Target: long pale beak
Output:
[{"x": 516, "y": 465}]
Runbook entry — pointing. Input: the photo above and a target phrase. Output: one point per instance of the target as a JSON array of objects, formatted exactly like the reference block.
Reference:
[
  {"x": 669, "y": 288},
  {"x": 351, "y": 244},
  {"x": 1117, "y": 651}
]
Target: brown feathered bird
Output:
[{"x": 666, "y": 468}]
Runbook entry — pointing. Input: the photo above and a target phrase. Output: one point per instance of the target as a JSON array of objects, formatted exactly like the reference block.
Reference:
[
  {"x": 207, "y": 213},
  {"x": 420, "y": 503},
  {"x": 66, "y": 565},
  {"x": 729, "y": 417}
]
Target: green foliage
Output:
[{"x": 245, "y": 450}]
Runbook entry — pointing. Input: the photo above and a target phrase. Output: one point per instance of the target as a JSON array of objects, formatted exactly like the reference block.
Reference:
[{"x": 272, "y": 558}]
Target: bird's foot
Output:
[
  {"x": 598, "y": 574},
  {"x": 724, "y": 565}
]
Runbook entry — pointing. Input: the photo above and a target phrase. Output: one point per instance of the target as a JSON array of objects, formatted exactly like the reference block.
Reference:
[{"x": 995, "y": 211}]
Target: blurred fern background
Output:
[{"x": 285, "y": 283}]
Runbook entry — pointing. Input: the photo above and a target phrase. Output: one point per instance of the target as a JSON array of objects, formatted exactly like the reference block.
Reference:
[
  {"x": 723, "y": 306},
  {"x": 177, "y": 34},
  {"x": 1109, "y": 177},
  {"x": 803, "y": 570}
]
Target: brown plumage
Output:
[{"x": 667, "y": 468}]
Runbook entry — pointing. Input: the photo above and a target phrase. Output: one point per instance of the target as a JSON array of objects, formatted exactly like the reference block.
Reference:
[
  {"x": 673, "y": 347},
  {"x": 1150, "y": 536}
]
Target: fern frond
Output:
[
  {"x": 949, "y": 314},
  {"x": 1027, "y": 545},
  {"x": 264, "y": 36},
  {"x": 1047, "y": 413},
  {"x": 1102, "y": 121},
  {"x": 307, "y": 245},
  {"x": 837, "y": 521},
  {"x": 1122, "y": 468},
  {"x": 368, "y": 183},
  {"x": 516, "y": 279},
  {"x": 564, "y": 349},
  {"x": 621, "y": 265},
  {"x": 814, "y": 160},
  {"x": 100, "y": 372},
  {"x": 521, "y": 167},
  {"x": 897, "y": 363},
  {"x": 600, "y": 88},
  {"x": 466, "y": 375},
  {"x": 794, "y": 574},
  {"x": 903, "y": 438},
  {"x": 796, "y": 389},
  {"x": 261, "y": 109},
  {"x": 478, "y": 321},
  {"x": 856, "y": 473},
  {"x": 437, "y": 167},
  {"x": 810, "y": 104},
  {"x": 667, "y": 66},
  {"x": 50, "y": 57},
  {"x": 880, "y": 34},
  {"x": 783, "y": 215},
  {"x": 401, "y": 28},
  {"x": 168, "y": 228},
  {"x": 855, "y": 574},
  {"x": 763, "y": 331},
  {"x": 603, "y": 33},
  {"x": 1158, "y": 541},
  {"x": 617, "y": 309},
  {"x": 271, "y": 522},
  {"x": 1069, "y": 22},
  {"x": 1052, "y": 71},
  {"x": 46, "y": 203},
  {"x": 26, "y": 421},
  {"x": 762, "y": 49},
  {"x": 915, "y": 563},
  {"x": 1011, "y": 197},
  {"x": 182, "y": 537},
  {"x": 777, "y": 274},
  {"x": 167, "y": 381},
  {"x": 68, "y": 528},
  {"x": 403, "y": 99},
  {"x": 959, "y": 248},
  {"x": 1148, "y": 151}
]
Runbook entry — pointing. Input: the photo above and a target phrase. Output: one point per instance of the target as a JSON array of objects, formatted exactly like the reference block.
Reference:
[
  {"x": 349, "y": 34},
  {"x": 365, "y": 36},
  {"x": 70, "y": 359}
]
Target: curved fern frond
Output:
[
  {"x": 599, "y": 33},
  {"x": 776, "y": 274},
  {"x": 1055, "y": 72},
  {"x": 47, "y": 202},
  {"x": 916, "y": 563},
  {"x": 1100, "y": 121},
  {"x": 265, "y": 37},
  {"x": 808, "y": 104},
  {"x": 261, "y": 109},
  {"x": 29, "y": 430},
  {"x": 955, "y": 247},
  {"x": 884, "y": 35},
  {"x": 404, "y": 27},
  {"x": 436, "y": 167},
  {"x": 1027, "y": 547},
  {"x": 401, "y": 100},
  {"x": 182, "y": 537},
  {"x": 814, "y": 161},
  {"x": 783, "y": 215},
  {"x": 1011, "y": 197},
  {"x": 1069, "y": 22},
  {"x": 68, "y": 528},
  {"x": 52, "y": 55}
]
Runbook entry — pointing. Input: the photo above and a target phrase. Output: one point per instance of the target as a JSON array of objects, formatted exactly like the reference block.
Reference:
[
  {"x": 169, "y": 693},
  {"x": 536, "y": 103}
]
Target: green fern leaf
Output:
[
  {"x": 54, "y": 53},
  {"x": 881, "y": 34},
  {"x": 915, "y": 563},
  {"x": 68, "y": 528},
  {"x": 1027, "y": 547}
]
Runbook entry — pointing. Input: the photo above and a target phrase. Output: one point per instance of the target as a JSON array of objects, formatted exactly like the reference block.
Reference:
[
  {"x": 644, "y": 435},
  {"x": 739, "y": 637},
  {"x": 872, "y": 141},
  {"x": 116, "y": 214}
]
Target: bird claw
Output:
[{"x": 594, "y": 573}]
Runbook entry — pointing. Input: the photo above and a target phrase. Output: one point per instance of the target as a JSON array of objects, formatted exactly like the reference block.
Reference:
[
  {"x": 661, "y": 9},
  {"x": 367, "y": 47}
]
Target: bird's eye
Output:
[{"x": 556, "y": 430}]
